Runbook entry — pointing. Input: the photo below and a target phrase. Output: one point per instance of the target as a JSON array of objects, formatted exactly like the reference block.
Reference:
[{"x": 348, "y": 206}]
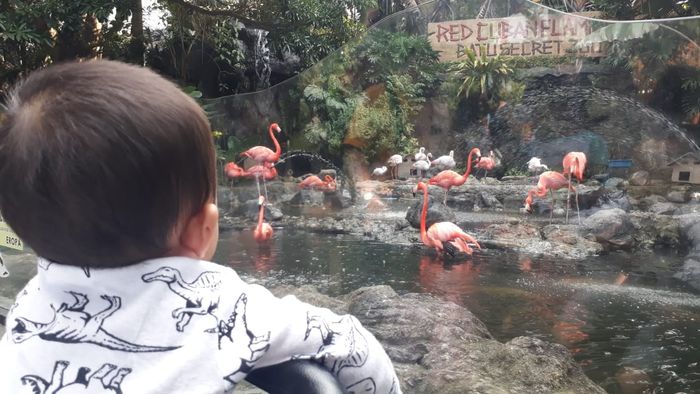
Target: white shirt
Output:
[{"x": 172, "y": 325}]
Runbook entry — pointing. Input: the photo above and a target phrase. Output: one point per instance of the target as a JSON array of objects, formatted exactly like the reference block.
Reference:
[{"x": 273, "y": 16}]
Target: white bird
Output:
[
  {"x": 394, "y": 161},
  {"x": 420, "y": 155},
  {"x": 536, "y": 166},
  {"x": 422, "y": 166},
  {"x": 379, "y": 171},
  {"x": 446, "y": 162}
]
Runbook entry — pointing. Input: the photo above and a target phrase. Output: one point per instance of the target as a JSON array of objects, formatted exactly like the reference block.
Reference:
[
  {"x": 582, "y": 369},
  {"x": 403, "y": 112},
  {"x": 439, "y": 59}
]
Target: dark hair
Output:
[{"x": 100, "y": 161}]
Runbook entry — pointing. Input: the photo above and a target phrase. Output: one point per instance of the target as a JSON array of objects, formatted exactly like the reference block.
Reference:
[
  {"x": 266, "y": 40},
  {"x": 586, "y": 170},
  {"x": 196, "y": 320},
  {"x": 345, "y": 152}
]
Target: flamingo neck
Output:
[
  {"x": 278, "y": 148},
  {"x": 424, "y": 217},
  {"x": 469, "y": 166},
  {"x": 261, "y": 215}
]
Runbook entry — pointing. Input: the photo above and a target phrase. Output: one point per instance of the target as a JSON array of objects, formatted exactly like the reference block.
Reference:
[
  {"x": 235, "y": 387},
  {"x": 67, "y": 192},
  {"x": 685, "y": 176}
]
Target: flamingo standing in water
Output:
[
  {"x": 443, "y": 236},
  {"x": 422, "y": 166},
  {"x": 263, "y": 231},
  {"x": 574, "y": 165},
  {"x": 266, "y": 172},
  {"x": 393, "y": 162},
  {"x": 264, "y": 155},
  {"x": 487, "y": 163},
  {"x": 549, "y": 181},
  {"x": 448, "y": 178}
]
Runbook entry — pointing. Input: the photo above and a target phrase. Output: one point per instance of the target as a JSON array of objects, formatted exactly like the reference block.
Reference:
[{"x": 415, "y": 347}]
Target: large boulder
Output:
[
  {"x": 437, "y": 212},
  {"x": 441, "y": 347},
  {"x": 639, "y": 178},
  {"x": 678, "y": 196},
  {"x": 252, "y": 210},
  {"x": 690, "y": 272},
  {"x": 610, "y": 227}
]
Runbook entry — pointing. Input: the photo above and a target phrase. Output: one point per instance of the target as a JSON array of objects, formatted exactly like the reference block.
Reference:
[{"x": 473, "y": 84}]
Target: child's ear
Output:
[{"x": 200, "y": 234}]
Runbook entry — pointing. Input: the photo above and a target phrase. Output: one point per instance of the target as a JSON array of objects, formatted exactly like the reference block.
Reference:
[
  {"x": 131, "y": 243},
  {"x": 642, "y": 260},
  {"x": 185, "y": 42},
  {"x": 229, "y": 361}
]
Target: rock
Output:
[
  {"x": 440, "y": 347},
  {"x": 616, "y": 199},
  {"x": 690, "y": 272},
  {"x": 252, "y": 209},
  {"x": 490, "y": 181},
  {"x": 632, "y": 380},
  {"x": 336, "y": 200},
  {"x": 656, "y": 230},
  {"x": 613, "y": 183},
  {"x": 664, "y": 208},
  {"x": 437, "y": 212},
  {"x": 678, "y": 196},
  {"x": 556, "y": 233},
  {"x": 490, "y": 201},
  {"x": 329, "y": 171},
  {"x": 600, "y": 177},
  {"x": 639, "y": 178},
  {"x": 588, "y": 197},
  {"x": 610, "y": 227},
  {"x": 647, "y": 202}
]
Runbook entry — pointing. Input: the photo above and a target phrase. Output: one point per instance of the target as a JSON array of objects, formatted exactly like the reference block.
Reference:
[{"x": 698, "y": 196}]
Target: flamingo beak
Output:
[
  {"x": 261, "y": 200},
  {"x": 278, "y": 129},
  {"x": 528, "y": 208}
]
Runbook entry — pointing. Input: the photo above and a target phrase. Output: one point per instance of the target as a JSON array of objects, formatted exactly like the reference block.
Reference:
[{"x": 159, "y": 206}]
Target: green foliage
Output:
[
  {"x": 488, "y": 80},
  {"x": 333, "y": 106},
  {"x": 383, "y": 53},
  {"x": 691, "y": 95}
]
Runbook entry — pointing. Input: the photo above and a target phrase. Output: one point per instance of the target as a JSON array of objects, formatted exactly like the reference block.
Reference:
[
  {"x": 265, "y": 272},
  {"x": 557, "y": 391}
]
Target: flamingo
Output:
[
  {"x": 445, "y": 162},
  {"x": 448, "y": 178},
  {"x": 379, "y": 171},
  {"x": 536, "y": 166},
  {"x": 487, "y": 163},
  {"x": 574, "y": 164},
  {"x": 422, "y": 166},
  {"x": 443, "y": 236},
  {"x": 263, "y": 154},
  {"x": 328, "y": 184},
  {"x": 394, "y": 161},
  {"x": 263, "y": 231},
  {"x": 420, "y": 155},
  {"x": 232, "y": 170},
  {"x": 549, "y": 180}
]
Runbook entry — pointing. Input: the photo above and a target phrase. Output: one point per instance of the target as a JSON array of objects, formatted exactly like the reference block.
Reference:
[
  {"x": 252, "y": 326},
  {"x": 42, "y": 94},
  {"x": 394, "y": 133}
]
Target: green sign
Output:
[{"x": 8, "y": 238}]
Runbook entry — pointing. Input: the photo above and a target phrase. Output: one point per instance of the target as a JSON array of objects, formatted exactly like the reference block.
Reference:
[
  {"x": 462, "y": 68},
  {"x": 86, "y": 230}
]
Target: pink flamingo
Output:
[
  {"x": 487, "y": 163},
  {"x": 442, "y": 235},
  {"x": 266, "y": 172},
  {"x": 263, "y": 154},
  {"x": 312, "y": 182},
  {"x": 549, "y": 181},
  {"x": 448, "y": 178},
  {"x": 263, "y": 231},
  {"x": 574, "y": 164}
]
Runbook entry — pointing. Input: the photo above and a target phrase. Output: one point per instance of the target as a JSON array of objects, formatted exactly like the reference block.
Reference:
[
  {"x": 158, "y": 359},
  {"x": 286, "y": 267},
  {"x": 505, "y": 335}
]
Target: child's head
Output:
[{"x": 106, "y": 164}]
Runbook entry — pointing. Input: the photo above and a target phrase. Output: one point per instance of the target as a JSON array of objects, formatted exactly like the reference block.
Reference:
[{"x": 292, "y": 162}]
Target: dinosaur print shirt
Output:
[{"x": 172, "y": 325}]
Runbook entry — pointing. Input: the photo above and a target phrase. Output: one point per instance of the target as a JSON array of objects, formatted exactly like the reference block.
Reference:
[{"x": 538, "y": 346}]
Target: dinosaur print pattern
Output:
[
  {"x": 201, "y": 295},
  {"x": 71, "y": 324},
  {"x": 340, "y": 337},
  {"x": 106, "y": 380},
  {"x": 237, "y": 327},
  {"x": 45, "y": 264},
  {"x": 365, "y": 385},
  {"x": 4, "y": 273}
]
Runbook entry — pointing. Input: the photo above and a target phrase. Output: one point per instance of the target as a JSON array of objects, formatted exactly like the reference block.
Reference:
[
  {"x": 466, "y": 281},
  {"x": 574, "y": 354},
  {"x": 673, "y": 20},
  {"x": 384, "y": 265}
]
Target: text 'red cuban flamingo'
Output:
[
  {"x": 443, "y": 236},
  {"x": 549, "y": 181},
  {"x": 263, "y": 231},
  {"x": 263, "y": 154},
  {"x": 574, "y": 165},
  {"x": 448, "y": 178}
]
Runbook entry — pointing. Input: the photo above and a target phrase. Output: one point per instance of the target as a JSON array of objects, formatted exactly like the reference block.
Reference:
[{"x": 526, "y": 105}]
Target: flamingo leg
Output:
[
  {"x": 578, "y": 213},
  {"x": 568, "y": 196},
  {"x": 551, "y": 211},
  {"x": 257, "y": 183},
  {"x": 265, "y": 188},
  {"x": 444, "y": 201}
]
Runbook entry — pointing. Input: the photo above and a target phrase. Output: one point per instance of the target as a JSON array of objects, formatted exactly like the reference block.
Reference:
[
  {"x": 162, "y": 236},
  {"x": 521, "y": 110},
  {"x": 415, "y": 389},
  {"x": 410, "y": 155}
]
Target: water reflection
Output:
[{"x": 623, "y": 317}]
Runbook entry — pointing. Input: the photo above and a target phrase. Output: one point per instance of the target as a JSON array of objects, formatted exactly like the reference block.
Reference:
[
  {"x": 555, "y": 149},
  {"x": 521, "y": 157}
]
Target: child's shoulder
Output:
[{"x": 187, "y": 270}]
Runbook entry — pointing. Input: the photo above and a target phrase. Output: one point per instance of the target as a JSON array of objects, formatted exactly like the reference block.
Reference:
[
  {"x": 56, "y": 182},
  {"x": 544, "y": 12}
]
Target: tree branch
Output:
[{"x": 230, "y": 13}]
